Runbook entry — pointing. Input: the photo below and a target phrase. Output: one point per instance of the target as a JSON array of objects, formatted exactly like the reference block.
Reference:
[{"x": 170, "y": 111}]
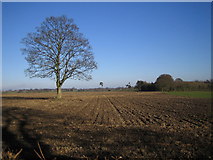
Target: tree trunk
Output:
[{"x": 58, "y": 92}]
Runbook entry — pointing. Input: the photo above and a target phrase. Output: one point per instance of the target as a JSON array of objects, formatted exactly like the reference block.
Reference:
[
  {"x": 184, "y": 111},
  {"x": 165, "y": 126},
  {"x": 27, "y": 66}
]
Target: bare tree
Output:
[{"x": 58, "y": 51}]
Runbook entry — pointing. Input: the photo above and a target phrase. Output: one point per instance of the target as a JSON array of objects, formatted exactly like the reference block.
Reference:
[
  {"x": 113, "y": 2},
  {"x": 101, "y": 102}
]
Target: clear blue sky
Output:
[{"x": 131, "y": 41}]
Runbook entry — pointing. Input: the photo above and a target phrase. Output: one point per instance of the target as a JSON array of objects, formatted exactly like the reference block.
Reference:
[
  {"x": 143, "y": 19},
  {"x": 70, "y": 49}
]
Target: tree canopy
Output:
[
  {"x": 101, "y": 84},
  {"x": 178, "y": 80},
  {"x": 57, "y": 50},
  {"x": 145, "y": 86},
  {"x": 165, "y": 82}
]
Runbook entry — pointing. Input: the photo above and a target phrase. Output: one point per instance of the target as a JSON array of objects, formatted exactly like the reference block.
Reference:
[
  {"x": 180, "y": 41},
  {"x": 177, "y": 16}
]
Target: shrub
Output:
[{"x": 144, "y": 86}]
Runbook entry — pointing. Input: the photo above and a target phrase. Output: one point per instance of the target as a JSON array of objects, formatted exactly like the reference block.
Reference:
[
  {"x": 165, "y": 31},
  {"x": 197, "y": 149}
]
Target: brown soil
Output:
[{"x": 107, "y": 125}]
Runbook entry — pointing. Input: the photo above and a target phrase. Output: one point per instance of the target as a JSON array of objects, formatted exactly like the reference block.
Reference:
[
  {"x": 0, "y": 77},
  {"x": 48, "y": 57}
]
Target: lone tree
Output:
[
  {"x": 101, "y": 84},
  {"x": 57, "y": 50}
]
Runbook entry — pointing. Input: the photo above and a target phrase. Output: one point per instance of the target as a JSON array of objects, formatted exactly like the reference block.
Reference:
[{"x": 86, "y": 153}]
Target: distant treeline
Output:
[
  {"x": 39, "y": 90},
  {"x": 69, "y": 90},
  {"x": 165, "y": 82}
]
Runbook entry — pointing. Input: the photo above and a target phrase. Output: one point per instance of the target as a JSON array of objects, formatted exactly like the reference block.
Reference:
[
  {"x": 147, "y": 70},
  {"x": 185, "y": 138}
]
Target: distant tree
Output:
[
  {"x": 128, "y": 85},
  {"x": 57, "y": 50},
  {"x": 207, "y": 81},
  {"x": 101, "y": 84},
  {"x": 178, "y": 80},
  {"x": 178, "y": 84},
  {"x": 138, "y": 85},
  {"x": 151, "y": 87},
  {"x": 144, "y": 86},
  {"x": 165, "y": 82}
]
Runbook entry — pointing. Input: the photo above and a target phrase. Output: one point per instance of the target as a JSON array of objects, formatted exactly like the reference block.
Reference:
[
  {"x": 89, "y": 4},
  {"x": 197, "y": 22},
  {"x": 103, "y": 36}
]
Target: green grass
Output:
[{"x": 194, "y": 94}]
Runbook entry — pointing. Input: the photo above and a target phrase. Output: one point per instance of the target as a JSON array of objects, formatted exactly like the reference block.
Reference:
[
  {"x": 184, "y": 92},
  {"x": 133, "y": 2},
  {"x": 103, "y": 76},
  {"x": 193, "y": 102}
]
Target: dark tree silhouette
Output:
[
  {"x": 145, "y": 86},
  {"x": 128, "y": 85},
  {"x": 58, "y": 51},
  {"x": 101, "y": 84}
]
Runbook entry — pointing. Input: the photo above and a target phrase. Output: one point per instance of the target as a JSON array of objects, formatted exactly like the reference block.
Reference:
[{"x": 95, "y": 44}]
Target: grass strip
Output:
[{"x": 193, "y": 94}]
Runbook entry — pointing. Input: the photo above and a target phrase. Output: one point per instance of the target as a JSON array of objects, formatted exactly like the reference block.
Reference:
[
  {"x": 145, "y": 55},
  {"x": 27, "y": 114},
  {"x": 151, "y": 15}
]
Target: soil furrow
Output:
[
  {"x": 121, "y": 118},
  {"x": 131, "y": 125},
  {"x": 130, "y": 118}
]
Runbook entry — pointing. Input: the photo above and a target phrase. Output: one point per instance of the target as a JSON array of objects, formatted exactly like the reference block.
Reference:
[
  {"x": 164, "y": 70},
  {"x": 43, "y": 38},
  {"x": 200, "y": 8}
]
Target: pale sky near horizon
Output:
[{"x": 131, "y": 41}]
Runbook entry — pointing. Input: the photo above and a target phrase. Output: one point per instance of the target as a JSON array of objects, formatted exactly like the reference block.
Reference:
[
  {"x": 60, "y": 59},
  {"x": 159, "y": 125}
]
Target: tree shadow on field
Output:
[
  {"x": 25, "y": 98},
  {"x": 23, "y": 128},
  {"x": 138, "y": 143},
  {"x": 16, "y": 134}
]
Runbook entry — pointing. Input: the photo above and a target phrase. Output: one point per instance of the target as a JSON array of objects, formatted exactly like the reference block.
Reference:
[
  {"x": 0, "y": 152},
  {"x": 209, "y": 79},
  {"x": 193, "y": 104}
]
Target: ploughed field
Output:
[{"x": 107, "y": 125}]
